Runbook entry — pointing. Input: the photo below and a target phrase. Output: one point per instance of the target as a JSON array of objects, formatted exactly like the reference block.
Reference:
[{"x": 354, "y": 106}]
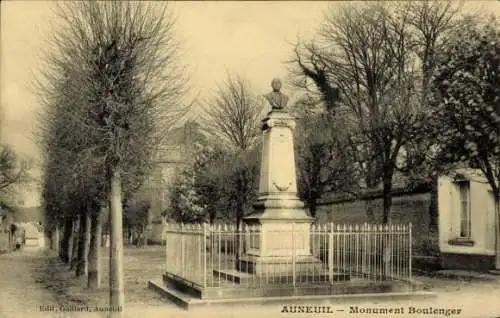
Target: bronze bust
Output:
[{"x": 277, "y": 99}]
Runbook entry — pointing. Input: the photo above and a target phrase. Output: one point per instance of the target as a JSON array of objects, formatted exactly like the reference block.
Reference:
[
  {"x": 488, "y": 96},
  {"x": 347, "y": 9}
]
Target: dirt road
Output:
[{"x": 22, "y": 294}]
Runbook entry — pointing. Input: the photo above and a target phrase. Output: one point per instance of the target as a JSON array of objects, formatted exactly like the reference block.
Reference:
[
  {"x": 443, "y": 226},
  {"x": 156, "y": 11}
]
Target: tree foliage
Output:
[
  {"x": 219, "y": 184},
  {"x": 14, "y": 174},
  {"x": 466, "y": 97},
  {"x": 324, "y": 159}
]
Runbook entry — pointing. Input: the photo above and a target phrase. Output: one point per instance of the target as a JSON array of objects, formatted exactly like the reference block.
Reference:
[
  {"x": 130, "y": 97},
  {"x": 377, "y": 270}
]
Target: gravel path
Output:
[{"x": 23, "y": 295}]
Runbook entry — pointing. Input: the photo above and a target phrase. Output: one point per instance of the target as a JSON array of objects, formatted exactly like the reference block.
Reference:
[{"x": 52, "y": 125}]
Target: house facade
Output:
[
  {"x": 171, "y": 157},
  {"x": 467, "y": 221},
  {"x": 170, "y": 160}
]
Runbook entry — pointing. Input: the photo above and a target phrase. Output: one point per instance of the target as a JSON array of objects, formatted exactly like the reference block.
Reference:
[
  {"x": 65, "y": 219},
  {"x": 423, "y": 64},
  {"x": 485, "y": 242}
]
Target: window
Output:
[{"x": 465, "y": 215}]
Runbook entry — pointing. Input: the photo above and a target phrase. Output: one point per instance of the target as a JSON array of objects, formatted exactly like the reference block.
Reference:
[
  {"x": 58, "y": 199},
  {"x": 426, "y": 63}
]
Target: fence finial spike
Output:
[{"x": 356, "y": 227}]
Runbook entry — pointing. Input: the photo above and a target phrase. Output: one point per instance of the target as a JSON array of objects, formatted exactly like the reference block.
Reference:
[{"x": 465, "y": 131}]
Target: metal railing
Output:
[{"x": 253, "y": 256}]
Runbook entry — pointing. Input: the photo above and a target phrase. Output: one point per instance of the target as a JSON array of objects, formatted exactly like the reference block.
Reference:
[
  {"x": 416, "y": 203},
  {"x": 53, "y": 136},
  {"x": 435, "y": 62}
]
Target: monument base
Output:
[
  {"x": 282, "y": 247},
  {"x": 280, "y": 266}
]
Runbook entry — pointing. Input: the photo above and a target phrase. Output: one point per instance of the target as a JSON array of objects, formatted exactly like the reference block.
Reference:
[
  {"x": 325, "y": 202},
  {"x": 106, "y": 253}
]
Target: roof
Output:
[{"x": 467, "y": 174}]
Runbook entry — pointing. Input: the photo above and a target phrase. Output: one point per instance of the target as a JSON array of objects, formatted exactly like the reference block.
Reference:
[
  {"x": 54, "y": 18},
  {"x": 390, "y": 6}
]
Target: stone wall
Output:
[{"x": 412, "y": 208}]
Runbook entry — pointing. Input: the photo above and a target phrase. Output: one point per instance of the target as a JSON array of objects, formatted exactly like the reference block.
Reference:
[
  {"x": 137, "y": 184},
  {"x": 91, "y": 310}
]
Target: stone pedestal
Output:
[{"x": 283, "y": 245}]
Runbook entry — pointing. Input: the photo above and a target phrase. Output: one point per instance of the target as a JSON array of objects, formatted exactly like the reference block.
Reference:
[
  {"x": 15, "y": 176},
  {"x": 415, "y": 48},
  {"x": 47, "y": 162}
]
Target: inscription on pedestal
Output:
[{"x": 282, "y": 159}]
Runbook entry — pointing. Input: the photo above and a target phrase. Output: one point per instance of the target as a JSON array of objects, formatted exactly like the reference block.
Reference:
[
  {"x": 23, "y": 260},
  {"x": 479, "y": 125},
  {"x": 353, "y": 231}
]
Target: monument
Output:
[
  {"x": 283, "y": 244},
  {"x": 275, "y": 260}
]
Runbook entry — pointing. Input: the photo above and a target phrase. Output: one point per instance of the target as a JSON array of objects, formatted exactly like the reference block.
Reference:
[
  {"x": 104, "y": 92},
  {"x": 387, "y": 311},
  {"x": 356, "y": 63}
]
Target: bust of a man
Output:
[{"x": 277, "y": 99}]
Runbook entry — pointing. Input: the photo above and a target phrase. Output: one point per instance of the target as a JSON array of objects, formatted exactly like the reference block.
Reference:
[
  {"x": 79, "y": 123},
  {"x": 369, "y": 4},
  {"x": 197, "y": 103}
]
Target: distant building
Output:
[
  {"x": 467, "y": 221},
  {"x": 170, "y": 159},
  {"x": 29, "y": 214},
  {"x": 172, "y": 156}
]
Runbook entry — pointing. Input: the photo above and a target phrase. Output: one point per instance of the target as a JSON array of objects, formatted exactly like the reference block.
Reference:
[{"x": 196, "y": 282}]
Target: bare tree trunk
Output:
[
  {"x": 66, "y": 244},
  {"x": 433, "y": 204},
  {"x": 387, "y": 199},
  {"x": 83, "y": 246},
  {"x": 49, "y": 239},
  {"x": 149, "y": 227},
  {"x": 371, "y": 183},
  {"x": 497, "y": 231},
  {"x": 105, "y": 234},
  {"x": 94, "y": 272},
  {"x": 57, "y": 237},
  {"x": 211, "y": 218},
  {"x": 369, "y": 210},
  {"x": 387, "y": 242},
  {"x": 237, "y": 246},
  {"x": 313, "y": 207},
  {"x": 75, "y": 246},
  {"x": 116, "y": 286}
]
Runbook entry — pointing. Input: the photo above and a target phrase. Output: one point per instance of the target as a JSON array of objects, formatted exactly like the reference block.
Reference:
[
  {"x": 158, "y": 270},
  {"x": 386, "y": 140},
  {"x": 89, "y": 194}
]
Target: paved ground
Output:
[{"x": 22, "y": 293}]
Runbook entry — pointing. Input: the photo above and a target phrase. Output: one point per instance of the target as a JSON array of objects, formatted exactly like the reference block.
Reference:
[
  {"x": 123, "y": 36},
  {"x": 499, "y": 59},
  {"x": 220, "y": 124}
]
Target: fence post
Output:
[
  {"x": 330, "y": 254},
  {"x": 165, "y": 230},
  {"x": 204, "y": 255},
  {"x": 293, "y": 256},
  {"x": 410, "y": 256},
  {"x": 182, "y": 248}
]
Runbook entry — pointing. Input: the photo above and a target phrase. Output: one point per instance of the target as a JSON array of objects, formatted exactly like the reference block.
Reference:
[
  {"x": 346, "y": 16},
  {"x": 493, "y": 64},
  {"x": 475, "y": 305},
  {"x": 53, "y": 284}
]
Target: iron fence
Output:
[{"x": 254, "y": 256}]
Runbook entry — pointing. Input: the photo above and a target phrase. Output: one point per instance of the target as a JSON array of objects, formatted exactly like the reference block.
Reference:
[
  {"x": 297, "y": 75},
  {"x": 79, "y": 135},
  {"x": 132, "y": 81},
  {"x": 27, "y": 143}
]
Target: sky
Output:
[{"x": 248, "y": 38}]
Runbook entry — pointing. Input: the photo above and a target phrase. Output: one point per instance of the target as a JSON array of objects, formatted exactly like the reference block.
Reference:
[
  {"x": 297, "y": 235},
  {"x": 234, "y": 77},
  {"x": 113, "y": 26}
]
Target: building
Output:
[
  {"x": 171, "y": 157},
  {"x": 169, "y": 160},
  {"x": 467, "y": 221}
]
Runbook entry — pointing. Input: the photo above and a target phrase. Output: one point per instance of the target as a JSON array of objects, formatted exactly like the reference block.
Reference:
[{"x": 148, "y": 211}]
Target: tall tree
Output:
[
  {"x": 467, "y": 103},
  {"x": 431, "y": 21},
  {"x": 232, "y": 116},
  {"x": 120, "y": 62},
  {"x": 324, "y": 158},
  {"x": 368, "y": 55},
  {"x": 233, "y": 113},
  {"x": 14, "y": 170},
  {"x": 378, "y": 59}
]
